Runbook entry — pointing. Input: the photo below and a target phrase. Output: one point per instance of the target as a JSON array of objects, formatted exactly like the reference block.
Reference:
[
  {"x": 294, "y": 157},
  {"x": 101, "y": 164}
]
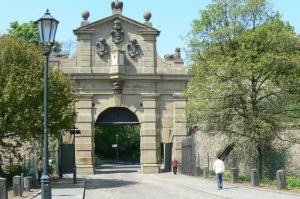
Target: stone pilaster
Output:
[
  {"x": 149, "y": 59},
  {"x": 179, "y": 124},
  {"x": 84, "y": 50},
  {"x": 85, "y": 141},
  {"x": 149, "y": 138}
]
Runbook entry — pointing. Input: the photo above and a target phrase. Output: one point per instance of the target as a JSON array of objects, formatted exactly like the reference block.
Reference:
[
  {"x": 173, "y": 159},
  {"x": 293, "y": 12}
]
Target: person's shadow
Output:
[{"x": 231, "y": 187}]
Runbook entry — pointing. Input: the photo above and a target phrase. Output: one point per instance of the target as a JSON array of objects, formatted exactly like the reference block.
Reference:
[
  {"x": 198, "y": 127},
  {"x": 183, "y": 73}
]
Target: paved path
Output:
[
  {"x": 123, "y": 181},
  {"x": 66, "y": 189}
]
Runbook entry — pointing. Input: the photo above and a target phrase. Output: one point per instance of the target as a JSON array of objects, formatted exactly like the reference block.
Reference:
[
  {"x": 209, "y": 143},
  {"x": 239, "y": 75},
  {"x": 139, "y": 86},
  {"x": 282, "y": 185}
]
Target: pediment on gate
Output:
[{"x": 106, "y": 24}]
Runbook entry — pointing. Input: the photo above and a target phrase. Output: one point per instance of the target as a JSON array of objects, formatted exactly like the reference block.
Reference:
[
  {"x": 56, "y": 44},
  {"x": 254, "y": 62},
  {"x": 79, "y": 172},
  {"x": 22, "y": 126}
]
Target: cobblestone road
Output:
[{"x": 124, "y": 182}]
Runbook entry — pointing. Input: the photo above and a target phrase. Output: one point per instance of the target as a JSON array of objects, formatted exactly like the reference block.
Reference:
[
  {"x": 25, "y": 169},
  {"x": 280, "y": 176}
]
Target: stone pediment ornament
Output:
[
  {"x": 133, "y": 48},
  {"x": 117, "y": 86},
  {"x": 117, "y": 32},
  {"x": 101, "y": 46},
  {"x": 175, "y": 56}
]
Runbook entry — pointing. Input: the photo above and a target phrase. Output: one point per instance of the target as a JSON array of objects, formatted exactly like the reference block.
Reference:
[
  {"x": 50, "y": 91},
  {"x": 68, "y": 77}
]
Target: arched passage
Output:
[
  {"x": 117, "y": 136},
  {"x": 117, "y": 115}
]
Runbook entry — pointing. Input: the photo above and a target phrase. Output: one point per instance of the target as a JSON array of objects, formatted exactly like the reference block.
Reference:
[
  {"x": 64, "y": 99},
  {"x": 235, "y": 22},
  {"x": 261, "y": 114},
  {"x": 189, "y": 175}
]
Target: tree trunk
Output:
[{"x": 259, "y": 161}]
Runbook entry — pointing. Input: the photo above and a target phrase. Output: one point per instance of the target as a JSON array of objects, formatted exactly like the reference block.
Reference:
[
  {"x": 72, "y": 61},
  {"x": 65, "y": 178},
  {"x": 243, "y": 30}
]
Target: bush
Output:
[
  {"x": 273, "y": 160},
  {"x": 128, "y": 142},
  {"x": 15, "y": 169},
  {"x": 227, "y": 175},
  {"x": 293, "y": 182},
  {"x": 268, "y": 181},
  {"x": 199, "y": 171},
  {"x": 211, "y": 173},
  {"x": 244, "y": 178}
]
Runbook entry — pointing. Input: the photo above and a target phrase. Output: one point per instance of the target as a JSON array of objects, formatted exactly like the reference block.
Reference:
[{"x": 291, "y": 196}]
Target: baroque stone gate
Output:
[{"x": 117, "y": 65}]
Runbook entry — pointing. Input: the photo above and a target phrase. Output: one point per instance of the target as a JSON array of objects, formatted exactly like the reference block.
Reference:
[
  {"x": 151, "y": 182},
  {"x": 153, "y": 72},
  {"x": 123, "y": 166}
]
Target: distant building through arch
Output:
[{"x": 117, "y": 70}]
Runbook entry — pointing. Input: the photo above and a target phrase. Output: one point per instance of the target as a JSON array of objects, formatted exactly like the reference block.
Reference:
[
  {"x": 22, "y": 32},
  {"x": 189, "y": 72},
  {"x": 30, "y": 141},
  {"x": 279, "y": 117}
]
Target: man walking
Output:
[{"x": 219, "y": 169}]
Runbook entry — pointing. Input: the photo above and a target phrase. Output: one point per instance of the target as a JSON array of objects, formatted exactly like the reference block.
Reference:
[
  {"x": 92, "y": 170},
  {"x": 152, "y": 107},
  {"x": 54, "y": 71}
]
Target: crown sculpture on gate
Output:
[{"x": 117, "y": 7}]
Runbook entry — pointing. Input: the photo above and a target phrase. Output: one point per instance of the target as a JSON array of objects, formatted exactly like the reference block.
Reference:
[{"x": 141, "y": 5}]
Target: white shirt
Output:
[{"x": 219, "y": 166}]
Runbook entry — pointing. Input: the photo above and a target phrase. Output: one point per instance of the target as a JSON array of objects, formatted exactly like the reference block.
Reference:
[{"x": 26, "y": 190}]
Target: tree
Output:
[
  {"x": 29, "y": 32},
  {"x": 68, "y": 47},
  {"x": 21, "y": 94},
  {"x": 245, "y": 72},
  {"x": 128, "y": 142},
  {"x": 26, "y": 31}
]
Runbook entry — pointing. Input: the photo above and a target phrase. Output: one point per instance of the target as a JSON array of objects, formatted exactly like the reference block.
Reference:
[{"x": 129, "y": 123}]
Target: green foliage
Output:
[
  {"x": 29, "y": 32},
  {"x": 14, "y": 169},
  {"x": 244, "y": 178},
  {"x": 211, "y": 173},
  {"x": 274, "y": 159},
  {"x": 61, "y": 102},
  {"x": 227, "y": 175},
  {"x": 26, "y": 31},
  {"x": 293, "y": 182},
  {"x": 199, "y": 171},
  {"x": 21, "y": 95},
  {"x": 245, "y": 72},
  {"x": 267, "y": 181},
  {"x": 128, "y": 142}
]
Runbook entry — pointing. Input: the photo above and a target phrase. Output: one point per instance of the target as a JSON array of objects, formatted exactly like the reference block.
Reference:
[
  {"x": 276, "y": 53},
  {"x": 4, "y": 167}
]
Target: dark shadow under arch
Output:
[{"x": 117, "y": 116}]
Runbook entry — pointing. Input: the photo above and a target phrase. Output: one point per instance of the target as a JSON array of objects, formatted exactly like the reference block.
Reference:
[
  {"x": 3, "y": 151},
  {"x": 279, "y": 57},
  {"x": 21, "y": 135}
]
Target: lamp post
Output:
[
  {"x": 47, "y": 26},
  {"x": 75, "y": 131},
  {"x": 117, "y": 136}
]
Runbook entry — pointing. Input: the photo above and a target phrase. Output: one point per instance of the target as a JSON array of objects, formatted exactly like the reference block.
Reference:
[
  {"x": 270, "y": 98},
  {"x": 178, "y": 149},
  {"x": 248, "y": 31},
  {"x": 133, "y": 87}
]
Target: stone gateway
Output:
[{"x": 116, "y": 67}]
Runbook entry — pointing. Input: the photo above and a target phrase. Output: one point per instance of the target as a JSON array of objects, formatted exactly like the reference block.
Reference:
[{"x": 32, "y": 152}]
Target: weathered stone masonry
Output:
[{"x": 117, "y": 65}]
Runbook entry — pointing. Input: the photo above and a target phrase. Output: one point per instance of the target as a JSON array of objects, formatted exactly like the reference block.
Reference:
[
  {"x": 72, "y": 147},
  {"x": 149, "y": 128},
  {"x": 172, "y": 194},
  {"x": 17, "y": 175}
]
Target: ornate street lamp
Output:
[{"x": 47, "y": 26}]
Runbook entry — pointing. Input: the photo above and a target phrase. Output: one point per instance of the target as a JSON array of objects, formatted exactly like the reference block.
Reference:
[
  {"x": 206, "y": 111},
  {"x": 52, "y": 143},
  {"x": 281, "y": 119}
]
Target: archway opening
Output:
[{"x": 117, "y": 137}]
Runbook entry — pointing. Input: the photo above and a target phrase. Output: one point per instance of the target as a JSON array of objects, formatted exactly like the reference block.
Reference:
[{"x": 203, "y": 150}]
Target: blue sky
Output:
[{"x": 173, "y": 18}]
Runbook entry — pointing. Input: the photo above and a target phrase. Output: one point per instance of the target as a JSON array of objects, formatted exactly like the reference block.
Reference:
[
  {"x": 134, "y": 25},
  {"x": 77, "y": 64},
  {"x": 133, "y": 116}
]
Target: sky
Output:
[{"x": 172, "y": 17}]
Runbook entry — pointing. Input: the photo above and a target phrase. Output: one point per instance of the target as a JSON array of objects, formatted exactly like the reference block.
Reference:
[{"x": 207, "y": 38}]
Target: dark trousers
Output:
[
  {"x": 175, "y": 170},
  {"x": 39, "y": 176},
  {"x": 219, "y": 180}
]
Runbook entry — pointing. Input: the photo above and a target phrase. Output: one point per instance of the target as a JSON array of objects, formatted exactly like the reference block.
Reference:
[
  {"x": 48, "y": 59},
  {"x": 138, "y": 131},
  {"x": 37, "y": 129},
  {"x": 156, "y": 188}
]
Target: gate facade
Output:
[{"x": 117, "y": 65}]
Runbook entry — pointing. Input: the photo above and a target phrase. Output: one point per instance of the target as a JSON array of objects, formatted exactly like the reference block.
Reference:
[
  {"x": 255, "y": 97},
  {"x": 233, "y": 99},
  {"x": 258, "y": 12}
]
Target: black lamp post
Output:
[
  {"x": 75, "y": 131},
  {"x": 47, "y": 26},
  {"x": 117, "y": 153}
]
